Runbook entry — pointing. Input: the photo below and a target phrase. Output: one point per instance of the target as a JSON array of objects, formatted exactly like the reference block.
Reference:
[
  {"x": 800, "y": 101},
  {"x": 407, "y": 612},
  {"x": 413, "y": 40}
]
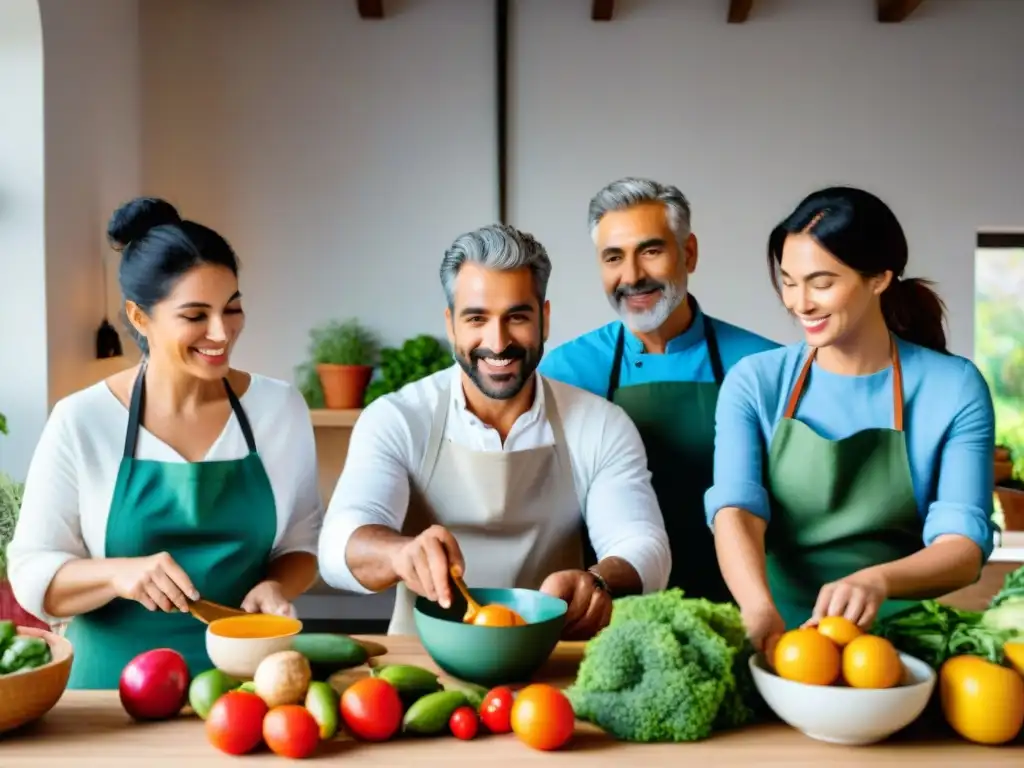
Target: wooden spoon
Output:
[
  {"x": 472, "y": 606},
  {"x": 207, "y": 611}
]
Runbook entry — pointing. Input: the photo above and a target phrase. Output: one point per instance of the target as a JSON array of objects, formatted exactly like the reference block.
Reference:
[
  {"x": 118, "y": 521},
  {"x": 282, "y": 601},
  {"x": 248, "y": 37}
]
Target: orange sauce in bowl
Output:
[{"x": 259, "y": 626}]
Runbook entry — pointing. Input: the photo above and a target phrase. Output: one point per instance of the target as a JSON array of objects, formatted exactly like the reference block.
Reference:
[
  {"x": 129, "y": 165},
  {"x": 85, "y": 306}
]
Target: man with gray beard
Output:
[
  {"x": 663, "y": 361},
  {"x": 489, "y": 468}
]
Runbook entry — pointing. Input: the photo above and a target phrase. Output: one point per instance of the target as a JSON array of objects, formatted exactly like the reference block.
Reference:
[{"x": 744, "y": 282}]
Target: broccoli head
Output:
[{"x": 666, "y": 668}]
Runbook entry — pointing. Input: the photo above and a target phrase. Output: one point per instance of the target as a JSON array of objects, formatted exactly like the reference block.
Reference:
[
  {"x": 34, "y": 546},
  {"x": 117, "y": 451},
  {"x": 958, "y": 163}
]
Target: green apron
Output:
[
  {"x": 217, "y": 519},
  {"x": 838, "y": 506},
  {"x": 676, "y": 421}
]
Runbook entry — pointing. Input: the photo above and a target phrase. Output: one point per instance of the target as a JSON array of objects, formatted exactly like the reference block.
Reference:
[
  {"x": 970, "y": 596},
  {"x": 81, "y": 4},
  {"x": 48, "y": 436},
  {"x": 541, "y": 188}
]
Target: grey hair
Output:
[
  {"x": 630, "y": 191},
  {"x": 499, "y": 247}
]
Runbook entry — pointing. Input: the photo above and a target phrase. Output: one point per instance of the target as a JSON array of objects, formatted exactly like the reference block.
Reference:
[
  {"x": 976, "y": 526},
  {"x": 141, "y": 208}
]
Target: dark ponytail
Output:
[
  {"x": 914, "y": 312},
  {"x": 861, "y": 231}
]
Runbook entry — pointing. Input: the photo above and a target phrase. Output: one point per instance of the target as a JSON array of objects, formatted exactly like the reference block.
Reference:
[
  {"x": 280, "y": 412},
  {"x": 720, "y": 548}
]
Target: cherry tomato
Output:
[
  {"x": 496, "y": 710},
  {"x": 371, "y": 709},
  {"x": 542, "y": 717},
  {"x": 235, "y": 722},
  {"x": 464, "y": 723},
  {"x": 290, "y": 730}
]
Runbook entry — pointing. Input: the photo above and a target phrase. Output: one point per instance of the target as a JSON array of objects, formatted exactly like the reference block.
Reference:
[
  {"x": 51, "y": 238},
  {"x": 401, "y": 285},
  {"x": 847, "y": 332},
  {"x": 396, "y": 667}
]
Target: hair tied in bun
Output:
[{"x": 135, "y": 218}]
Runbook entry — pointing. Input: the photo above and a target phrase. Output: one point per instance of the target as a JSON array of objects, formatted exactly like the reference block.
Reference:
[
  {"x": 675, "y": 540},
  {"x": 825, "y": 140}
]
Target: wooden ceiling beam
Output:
[
  {"x": 739, "y": 10},
  {"x": 602, "y": 10},
  {"x": 895, "y": 11},
  {"x": 370, "y": 9}
]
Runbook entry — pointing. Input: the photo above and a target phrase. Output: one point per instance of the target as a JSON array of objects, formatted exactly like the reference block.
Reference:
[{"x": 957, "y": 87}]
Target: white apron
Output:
[{"x": 515, "y": 514}]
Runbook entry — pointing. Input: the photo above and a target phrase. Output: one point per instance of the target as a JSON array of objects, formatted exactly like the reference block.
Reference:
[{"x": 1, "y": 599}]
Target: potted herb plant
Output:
[
  {"x": 418, "y": 357},
  {"x": 10, "y": 506},
  {"x": 1009, "y": 471},
  {"x": 342, "y": 355}
]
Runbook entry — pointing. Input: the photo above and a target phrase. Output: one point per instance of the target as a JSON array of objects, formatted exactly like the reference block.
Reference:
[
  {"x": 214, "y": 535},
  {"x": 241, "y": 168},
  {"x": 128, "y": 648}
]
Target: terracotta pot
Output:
[
  {"x": 1012, "y": 502},
  {"x": 11, "y": 610},
  {"x": 344, "y": 385}
]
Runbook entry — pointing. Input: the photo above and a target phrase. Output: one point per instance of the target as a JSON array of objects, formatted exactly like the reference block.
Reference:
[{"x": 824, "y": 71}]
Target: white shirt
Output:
[
  {"x": 70, "y": 483},
  {"x": 608, "y": 459}
]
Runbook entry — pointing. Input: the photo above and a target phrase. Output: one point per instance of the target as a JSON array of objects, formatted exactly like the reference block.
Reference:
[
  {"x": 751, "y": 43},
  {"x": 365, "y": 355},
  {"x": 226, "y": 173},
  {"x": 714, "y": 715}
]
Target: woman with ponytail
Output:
[{"x": 853, "y": 470}]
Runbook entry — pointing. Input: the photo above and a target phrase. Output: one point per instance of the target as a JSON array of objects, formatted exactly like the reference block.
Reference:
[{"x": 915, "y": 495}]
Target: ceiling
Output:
[{"x": 735, "y": 11}]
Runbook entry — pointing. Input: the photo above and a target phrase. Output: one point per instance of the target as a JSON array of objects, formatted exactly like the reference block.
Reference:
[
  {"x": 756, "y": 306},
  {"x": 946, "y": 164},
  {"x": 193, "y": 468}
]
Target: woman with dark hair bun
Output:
[
  {"x": 176, "y": 479},
  {"x": 853, "y": 471}
]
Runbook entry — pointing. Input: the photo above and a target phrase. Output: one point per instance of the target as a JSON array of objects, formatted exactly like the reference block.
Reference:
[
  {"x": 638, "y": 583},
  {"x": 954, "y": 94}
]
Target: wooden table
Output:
[{"x": 89, "y": 728}]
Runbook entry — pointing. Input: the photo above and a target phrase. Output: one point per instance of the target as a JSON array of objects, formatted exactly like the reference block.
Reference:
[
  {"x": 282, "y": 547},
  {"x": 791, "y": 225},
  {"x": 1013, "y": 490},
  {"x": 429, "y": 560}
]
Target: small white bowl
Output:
[
  {"x": 236, "y": 645},
  {"x": 842, "y": 715}
]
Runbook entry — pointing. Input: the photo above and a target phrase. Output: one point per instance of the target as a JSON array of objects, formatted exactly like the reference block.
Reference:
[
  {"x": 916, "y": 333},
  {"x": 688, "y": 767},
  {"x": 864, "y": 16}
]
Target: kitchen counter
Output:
[{"x": 89, "y": 728}]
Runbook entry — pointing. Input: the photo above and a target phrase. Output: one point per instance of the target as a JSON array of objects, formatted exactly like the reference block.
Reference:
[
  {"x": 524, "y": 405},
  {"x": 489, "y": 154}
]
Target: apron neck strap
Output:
[
  {"x": 710, "y": 338},
  {"x": 138, "y": 404},
  {"x": 897, "y": 385}
]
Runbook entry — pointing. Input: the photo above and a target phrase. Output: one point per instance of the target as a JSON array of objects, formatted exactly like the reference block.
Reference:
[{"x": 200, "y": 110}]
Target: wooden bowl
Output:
[{"x": 27, "y": 696}]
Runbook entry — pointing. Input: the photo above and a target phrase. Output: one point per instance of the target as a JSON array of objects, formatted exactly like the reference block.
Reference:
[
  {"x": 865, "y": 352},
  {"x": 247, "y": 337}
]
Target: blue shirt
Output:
[
  {"x": 948, "y": 419},
  {"x": 586, "y": 361}
]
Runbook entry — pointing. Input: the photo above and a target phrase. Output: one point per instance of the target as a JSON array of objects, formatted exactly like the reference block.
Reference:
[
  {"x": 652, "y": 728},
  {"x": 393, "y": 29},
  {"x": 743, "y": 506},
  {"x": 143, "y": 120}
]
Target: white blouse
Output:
[{"x": 70, "y": 483}]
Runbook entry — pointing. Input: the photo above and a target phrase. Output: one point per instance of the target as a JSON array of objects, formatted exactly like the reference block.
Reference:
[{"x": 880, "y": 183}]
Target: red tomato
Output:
[
  {"x": 496, "y": 710},
  {"x": 291, "y": 730},
  {"x": 464, "y": 723},
  {"x": 371, "y": 709},
  {"x": 235, "y": 722}
]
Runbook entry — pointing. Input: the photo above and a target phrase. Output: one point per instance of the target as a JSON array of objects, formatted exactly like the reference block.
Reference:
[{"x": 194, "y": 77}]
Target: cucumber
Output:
[
  {"x": 322, "y": 703},
  {"x": 247, "y": 687},
  {"x": 474, "y": 693},
  {"x": 430, "y": 713},
  {"x": 329, "y": 653},
  {"x": 411, "y": 682}
]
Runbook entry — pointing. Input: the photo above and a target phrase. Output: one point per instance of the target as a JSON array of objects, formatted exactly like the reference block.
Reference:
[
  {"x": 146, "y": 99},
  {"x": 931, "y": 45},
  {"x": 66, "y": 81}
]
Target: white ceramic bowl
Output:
[
  {"x": 236, "y": 645},
  {"x": 841, "y": 715}
]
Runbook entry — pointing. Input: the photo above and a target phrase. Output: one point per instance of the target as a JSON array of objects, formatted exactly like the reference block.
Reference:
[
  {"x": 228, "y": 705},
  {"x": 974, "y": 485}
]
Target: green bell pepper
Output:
[
  {"x": 24, "y": 653},
  {"x": 7, "y": 633}
]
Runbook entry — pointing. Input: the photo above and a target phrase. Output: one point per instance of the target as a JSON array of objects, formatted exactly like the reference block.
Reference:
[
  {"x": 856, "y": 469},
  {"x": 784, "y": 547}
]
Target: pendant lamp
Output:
[{"x": 108, "y": 342}]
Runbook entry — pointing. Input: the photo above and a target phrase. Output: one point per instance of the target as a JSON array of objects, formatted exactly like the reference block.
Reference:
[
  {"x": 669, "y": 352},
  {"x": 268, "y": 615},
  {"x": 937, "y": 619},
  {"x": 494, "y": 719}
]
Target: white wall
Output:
[
  {"x": 23, "y": 369},
  {"x": 341, "y": 156},
  {"x": 93, "y": 159}
]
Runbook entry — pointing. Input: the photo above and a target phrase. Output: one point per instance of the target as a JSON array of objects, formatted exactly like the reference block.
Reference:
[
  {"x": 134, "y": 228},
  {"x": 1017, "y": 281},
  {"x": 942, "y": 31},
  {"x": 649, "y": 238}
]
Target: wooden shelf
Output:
[{"x": 344, "y": 419}]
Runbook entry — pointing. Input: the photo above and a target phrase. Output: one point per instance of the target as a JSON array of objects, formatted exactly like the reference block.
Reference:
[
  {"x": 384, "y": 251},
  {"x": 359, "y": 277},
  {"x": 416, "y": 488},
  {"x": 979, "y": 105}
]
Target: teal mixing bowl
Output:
[{"x": 490, "y": 656}]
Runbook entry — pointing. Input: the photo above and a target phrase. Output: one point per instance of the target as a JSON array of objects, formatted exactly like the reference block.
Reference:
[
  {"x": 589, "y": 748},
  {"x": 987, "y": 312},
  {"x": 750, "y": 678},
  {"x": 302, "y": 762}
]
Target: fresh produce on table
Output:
[
  {"x": 290, "y": 731},
  {"x": 207, "y": 687},
  {"x": 372, "y": 709},
  {"x": 837, "y": 652},
  {"x": 1006, "y": 610},
  {"x": 235, "y": 722},
  {"x": 542, "y": 717},
  {"x": 323, "y": 702},
  {"x": 464, "y": 723},
  {"x": 282, "y": 678},
  {"x": 21, "y": 652},
  {"x": 982, "y": 701},
  {"x": 155, "y": 685},
  {"x": 666, "y": 668},
  {"x": 329, "y": 653},
  {"x": 496, "y": 710},
  {"x": 430, "y": 714},
  {"x": 410, "y": 681}
]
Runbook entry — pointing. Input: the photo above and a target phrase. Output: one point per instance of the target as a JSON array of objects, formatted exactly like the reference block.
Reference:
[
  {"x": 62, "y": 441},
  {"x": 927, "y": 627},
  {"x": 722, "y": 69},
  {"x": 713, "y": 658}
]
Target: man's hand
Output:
[
  {"x": 423, "y": 564},
  {"x": 590, "y": 607},
  {"x": 764, "y": 627},
  {"x": 857, "y": 597},
  {"x": 267, "y": 597}
]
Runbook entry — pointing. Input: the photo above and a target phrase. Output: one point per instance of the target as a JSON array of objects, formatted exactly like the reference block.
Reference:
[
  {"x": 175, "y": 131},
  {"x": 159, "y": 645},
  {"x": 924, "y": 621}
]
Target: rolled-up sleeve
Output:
[
  {"x": 963, "y": 498},
  {"x": 48, "y": 533},
  {"x": 373, "y": 489},
  {"x": 622, "y": 513},
  {"x": 301, "y": 528},
  {"x": 739, "y": 448}
]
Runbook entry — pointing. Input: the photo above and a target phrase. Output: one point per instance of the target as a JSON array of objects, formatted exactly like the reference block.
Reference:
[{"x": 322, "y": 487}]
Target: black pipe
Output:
[{"x": 502, "y": 88}]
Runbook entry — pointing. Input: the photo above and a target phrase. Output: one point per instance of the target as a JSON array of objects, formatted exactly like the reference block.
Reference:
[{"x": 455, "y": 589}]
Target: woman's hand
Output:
[
  {"x": 267, "y": 597},
  {"x": 156, "y": 581},
  {"x": 764, "y": 628},
  {"x": 857, "y": 597}
]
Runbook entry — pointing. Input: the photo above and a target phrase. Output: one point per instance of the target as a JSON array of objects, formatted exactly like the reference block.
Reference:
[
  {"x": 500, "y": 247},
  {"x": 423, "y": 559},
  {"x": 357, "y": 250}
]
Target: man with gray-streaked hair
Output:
[
  {"x": 663, "y": 360},
  {"x": 489, "y": 468}
]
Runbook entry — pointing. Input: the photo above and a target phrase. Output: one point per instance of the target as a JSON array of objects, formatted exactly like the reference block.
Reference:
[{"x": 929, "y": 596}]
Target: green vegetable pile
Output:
[
  {"x": 417, "y": 358},
  {"x": 934, "y": 632},
  {"x": 666, "y": 668},
  {"x": 20, "y": 652}
]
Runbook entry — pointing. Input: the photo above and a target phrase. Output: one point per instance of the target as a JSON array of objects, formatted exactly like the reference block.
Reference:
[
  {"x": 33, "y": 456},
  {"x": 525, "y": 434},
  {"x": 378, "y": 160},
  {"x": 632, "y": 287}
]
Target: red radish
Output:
[{"x": 154, "y": 685}]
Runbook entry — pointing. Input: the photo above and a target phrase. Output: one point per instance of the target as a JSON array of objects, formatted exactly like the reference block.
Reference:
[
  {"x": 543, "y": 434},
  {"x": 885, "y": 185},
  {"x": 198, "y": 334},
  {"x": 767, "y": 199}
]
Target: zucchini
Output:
[{"x": 329, "y": 653}]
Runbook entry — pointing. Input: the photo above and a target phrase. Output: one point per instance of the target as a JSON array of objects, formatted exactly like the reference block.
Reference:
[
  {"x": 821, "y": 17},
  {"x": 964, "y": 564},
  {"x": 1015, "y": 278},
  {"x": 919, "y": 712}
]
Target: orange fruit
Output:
[
  {"x": 806, "y": 656},
  {"x": 542, "y": 717},
  {"x": 870, "y": 661},
  {"x": 982, "y": 701},
  {"x": 839, "y": 629},
  {"x": 497, "y": 616}
]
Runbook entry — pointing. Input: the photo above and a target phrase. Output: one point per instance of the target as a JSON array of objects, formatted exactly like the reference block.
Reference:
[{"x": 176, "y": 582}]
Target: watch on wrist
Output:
[{"x": 599, "y": 579}]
